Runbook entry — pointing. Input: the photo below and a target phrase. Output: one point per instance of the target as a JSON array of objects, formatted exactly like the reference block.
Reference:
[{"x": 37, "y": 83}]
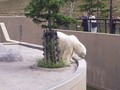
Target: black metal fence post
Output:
[
  {"x": 110, "y": 16},
  {"x": 105, "y": 26}
]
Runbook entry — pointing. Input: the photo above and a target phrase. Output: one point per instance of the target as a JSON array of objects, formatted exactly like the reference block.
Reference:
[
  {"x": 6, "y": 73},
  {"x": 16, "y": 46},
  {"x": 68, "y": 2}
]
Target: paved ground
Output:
[{"x": 20, "y": 76}]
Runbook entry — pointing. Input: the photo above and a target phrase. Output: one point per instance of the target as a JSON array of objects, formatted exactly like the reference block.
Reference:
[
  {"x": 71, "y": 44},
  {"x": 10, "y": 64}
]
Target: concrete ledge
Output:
[
  {"x": 7, "y": 38},
  {"x": 77, "y": 81}
]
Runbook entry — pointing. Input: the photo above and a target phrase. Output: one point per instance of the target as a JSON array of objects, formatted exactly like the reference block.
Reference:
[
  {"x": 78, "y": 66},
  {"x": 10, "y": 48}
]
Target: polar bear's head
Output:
[
  {"x": 78, "y": 47},
  {"x": 81, "y": 51}
]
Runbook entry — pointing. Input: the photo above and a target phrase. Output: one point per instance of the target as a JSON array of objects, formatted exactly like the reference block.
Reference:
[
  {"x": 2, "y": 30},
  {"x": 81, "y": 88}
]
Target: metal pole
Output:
[
  {"x": 105, "y": 26},
  {"x": 97, "y": 11},
  {"x": 110, "y": 16}
]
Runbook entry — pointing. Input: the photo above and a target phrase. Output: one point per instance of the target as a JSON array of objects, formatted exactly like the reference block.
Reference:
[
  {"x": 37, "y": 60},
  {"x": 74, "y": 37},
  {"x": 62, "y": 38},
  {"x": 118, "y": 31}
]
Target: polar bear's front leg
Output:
[{"x": 67, "y": 55}]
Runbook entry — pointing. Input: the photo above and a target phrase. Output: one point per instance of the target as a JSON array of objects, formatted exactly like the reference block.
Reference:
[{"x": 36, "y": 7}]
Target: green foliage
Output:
[
  {"x": 104, "y": 13},
  {"x": 92, "y": 6},
  {"x": 63, "y": 20},
  {"x": 43, "y": 63},
  {"x": 48, "y": 10}
]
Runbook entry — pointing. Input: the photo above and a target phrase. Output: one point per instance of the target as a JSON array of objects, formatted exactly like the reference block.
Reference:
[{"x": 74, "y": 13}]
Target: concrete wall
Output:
[
  {"x": 77, "y": 81},
  {"x": 103, "y": 62},
  {"x": 103, "y": 51},
  {"x": 2, "y": 38},
  {"x": 31, "y": 32}
]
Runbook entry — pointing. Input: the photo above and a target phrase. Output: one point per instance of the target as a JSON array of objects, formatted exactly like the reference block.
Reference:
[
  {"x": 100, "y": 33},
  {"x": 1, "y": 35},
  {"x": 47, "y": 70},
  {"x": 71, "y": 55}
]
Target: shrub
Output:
[{"x": 49, "y": 64}]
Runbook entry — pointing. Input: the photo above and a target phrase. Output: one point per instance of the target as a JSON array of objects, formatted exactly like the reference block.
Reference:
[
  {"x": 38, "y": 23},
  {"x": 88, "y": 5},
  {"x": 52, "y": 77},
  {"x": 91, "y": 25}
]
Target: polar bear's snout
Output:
[{"x": 82, "y": 55}]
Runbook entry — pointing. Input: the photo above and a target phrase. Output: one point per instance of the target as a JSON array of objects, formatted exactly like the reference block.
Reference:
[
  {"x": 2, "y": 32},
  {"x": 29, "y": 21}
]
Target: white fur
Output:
[{"x": 69, "y": 44}]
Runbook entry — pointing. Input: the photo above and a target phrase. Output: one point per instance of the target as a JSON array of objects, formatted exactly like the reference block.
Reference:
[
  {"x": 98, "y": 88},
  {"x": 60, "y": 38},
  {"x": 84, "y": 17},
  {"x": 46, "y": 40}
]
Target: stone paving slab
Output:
[{"x": 20, "y": 76}]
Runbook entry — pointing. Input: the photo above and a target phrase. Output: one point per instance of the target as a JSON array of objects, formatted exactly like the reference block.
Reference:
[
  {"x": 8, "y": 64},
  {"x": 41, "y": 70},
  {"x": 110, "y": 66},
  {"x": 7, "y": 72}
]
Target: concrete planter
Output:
[{"x": 77, "y": 81}]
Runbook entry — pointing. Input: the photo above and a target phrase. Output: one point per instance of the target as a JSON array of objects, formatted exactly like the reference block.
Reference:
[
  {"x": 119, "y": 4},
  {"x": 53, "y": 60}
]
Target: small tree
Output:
[
  {"x": 91, "y": 6},
  {"x": 49, "y": 10}
]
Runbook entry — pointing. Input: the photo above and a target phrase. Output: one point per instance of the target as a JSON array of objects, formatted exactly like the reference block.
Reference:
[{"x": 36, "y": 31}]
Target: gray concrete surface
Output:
[
  {"x": 20, "y": 76},
  {"x": 9, "y": 55}
]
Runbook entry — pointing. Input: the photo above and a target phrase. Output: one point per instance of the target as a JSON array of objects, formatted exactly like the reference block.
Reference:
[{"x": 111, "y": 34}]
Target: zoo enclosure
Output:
[
  {"x": 103, "y": 50},
  {"x": 103, "y": 25}
]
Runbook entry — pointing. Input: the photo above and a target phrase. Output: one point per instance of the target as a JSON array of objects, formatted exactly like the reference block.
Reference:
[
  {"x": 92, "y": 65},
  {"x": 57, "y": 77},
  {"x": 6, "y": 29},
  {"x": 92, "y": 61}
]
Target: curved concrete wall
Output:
[{"x": 77, "y": 81}]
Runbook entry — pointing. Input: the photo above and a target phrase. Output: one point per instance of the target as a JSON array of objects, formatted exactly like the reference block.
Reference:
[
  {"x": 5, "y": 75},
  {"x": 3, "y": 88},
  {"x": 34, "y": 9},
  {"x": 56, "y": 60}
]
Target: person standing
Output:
[
  {"x": 85, "y": 22},
  {"x": 92, "y": 24}
]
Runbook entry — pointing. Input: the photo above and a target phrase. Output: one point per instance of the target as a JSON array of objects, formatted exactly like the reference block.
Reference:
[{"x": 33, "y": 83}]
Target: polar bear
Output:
[{"x": 69, "y": 44}]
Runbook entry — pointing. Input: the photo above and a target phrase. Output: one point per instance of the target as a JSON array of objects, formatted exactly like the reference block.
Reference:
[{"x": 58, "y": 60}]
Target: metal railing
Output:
[{"x": 102, "y": 27}]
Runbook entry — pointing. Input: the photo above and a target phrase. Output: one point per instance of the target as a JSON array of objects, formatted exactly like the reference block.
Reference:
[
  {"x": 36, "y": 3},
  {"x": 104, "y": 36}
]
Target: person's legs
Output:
[
  {"x": 113, "y": 30},
  {"x": 89, "y": 27},
  {"x": 94, "y": 30},
  {"x": 86, "y": 28}
]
